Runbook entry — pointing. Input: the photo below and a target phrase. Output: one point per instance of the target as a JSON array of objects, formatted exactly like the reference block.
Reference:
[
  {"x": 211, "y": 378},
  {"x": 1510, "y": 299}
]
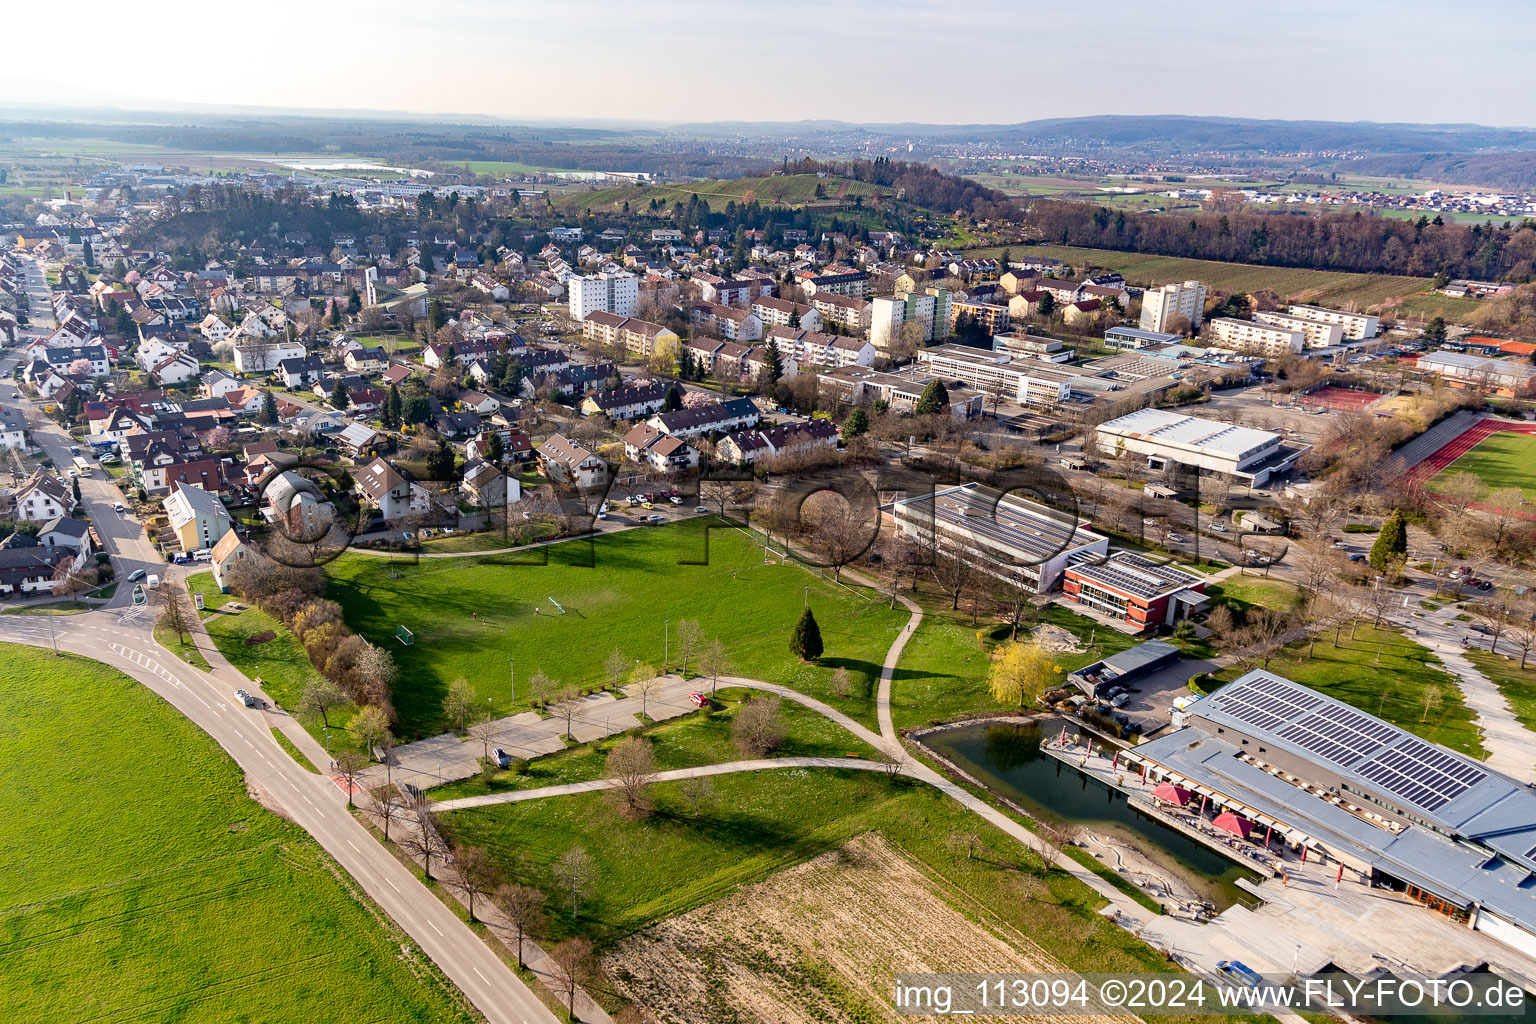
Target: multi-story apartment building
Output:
[
  {"x": 774, "y": 312},
  {"x": 889, "y": 315},
  {"x": 993, "y": 319},
  {"x": 844, "y": 310},
  {"x": 813, "y": 348},
  {"x": 1357, "y": 326},
  {"x": 1315, "y": 333},
  {"x": 607, "y": 293},
  {"x": 638, "y": 336},
  {"x": 1258, "y": 338},
  {"x": 1159, "y": 306},
  {"x": 730, "y": 322}
]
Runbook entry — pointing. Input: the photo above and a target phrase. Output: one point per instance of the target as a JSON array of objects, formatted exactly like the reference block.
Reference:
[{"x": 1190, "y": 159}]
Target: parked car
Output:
[
  {"x": 1480, "y": 628},
  {"x": 698, "y": 699},
  {"x": 1357, "y": 557},
  {"x": 1120, "y": 699},
  {"x": 701, "y": 509},
  {"x": 136, "y": 575},
  {"x": 502, "y": 758},
  {"x": 1339, "y": 545},
  {"x": 1219, "y": 527},
  {"x": 675, "y": 500}
]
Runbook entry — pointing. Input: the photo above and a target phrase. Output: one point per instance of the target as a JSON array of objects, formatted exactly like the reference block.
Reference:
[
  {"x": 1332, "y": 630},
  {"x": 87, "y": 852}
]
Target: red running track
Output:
[{"x": 1459, "y": 446}]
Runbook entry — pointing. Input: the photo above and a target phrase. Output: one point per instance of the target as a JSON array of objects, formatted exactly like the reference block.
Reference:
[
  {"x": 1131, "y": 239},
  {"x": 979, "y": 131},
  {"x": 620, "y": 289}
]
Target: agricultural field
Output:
[
  {"x": 472, "y": 616},
  {"x": 815, "y": 943},
  {"x": 1328, "y": 287},
  {"x": 139, "y": 881},
  {"x": 1499, "y": 460},
  {"x": 792, "y": 190}
]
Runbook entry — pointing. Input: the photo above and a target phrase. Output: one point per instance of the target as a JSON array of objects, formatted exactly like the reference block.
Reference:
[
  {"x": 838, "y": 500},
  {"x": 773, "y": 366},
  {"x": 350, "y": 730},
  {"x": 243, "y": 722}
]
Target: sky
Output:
[{"x": 939, "y": 61}]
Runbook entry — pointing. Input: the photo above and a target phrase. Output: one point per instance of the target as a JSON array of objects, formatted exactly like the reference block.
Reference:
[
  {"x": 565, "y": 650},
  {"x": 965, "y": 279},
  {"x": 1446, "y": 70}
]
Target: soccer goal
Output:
[{"x": 405, "y": 636}]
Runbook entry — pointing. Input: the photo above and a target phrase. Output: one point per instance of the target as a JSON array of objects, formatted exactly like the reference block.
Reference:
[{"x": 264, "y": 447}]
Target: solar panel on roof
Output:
[{"x": 1419, "y": 773}]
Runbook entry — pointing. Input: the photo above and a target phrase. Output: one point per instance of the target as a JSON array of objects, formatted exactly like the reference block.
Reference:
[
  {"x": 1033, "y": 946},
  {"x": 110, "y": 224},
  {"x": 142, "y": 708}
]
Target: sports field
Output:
[
  {"x": 472, "y": 617},
  {"x": 1500, "y": 460},
  {"x": 139, "y": 882}
]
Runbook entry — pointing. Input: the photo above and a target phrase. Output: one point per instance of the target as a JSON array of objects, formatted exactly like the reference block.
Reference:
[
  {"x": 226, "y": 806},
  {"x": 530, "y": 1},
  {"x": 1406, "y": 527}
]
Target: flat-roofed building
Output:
[
  {"x": 1131, "y": 338},
  {"x": 993, "y": 319},
  {"x": 1262, "y": 339},
  {"x": 1495, "y": 376},
  {"x": 1357, "y": 326},
  {"x": 1003, "y": 535},
  {"x": 1028, "y": 382},
  {"x": 1134, "y": 590},
  {"x": 1029, "y": 346},
  {"x": 859, "y": 385},
  {"x": 1316, "y": 333},
  {"x": 1165, "y": 436}
]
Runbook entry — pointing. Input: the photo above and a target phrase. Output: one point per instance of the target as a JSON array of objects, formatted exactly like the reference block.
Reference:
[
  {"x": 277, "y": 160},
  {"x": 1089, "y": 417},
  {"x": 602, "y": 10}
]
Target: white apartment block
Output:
[
  {"x": 1357, "y": 326},
  {"x": 606, "y": 293},
  {"x": 1160, "y": 305},
  {"x": 889, "y": 314},
  {"x": 1256, "y": 338},
  {"x": 1318, "y": 333}
]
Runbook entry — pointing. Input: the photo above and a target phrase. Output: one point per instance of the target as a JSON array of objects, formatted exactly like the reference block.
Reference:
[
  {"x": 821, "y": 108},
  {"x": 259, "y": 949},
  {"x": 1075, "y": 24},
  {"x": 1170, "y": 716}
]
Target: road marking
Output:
[
  {"x": 436, "y": 928},
  {"x": 482, "y": 977},
  {"x": 247, "y": 740},
  {"x": 353, "y": 845},
  {"x": 392, "y": 885},
  {"x": 306, "y": 798}
]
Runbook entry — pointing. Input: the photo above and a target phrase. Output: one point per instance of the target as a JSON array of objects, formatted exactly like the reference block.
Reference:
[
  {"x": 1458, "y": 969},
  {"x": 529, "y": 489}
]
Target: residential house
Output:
[
  {"x": 263, "y": 355},
  {"x": 716, "y": 417},
  {"x": 74, "y": 534},
  {"x": 13, "y": 428},
  {"x": 27, "y": 567},
  {"x": 634, "y": 400},
  {"x": 384, "y": 488},
  {"x": 564, "y": 461},
  {"x": 300, "y": 371},
  {"x": 488, "y": 487},
  {"x": 366, "y": 360},
  {"x": 847, "y": 311},
  {"x": 750, "y": 446},
  {"x": 176, "y": 368},
  {"x": 217, "y": 384},
  {"x": 229, "y": 552},
  {"x": 360, "y": 440},
  {"x": 665, "y": 453},
  {"x": 197, "y": 518},
  {"x": 42, "y": 497}
]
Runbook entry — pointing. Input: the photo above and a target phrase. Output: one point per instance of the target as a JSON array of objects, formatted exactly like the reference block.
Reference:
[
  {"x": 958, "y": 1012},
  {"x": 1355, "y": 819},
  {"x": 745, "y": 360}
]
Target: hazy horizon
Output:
[{"x": 855, "y": 61}]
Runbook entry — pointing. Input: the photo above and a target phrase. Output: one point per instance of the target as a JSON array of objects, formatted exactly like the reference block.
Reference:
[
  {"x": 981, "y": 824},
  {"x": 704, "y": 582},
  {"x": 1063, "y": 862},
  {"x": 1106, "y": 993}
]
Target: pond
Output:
[{"x": 1007, "y": 758}]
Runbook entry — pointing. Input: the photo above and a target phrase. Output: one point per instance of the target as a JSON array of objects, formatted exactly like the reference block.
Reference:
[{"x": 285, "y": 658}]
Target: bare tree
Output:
[
  {"x": 422, "y": 839},
  {"x": 689, "y": 636},
  {"x": 571, "y": 964},
  {"x": 1013, "y": 605},
  {"x": 567, "y": 701},
  {"x": 321, "y": 697},
  {"x": 524, "y": 907},
  {"x": 1522, "y": 627},
  {"x": 758, "y": 728},
  {"x": 575, "y": 872},
  {"x": 484, "y": 730},
  {"x": 714, "y": 663},
  {"x": 643, "y": 680},
  {"x": 458, "y": 702},
  {"x": 1431, "y": 699},
  {"x": 173, "y": 614},
  {"x": 474, "y": 875},
  {"x": 1494, "y": 615},
  {"x": 613, "y": 667},
  {"x": 892, "y": 766},
  {"x": 837, "y": 529},
  {"x": 632, "y": 762},
  {"x": 350, "y": 764},
  {"x": 842, "y": 684},
  {"x": 699, "y": 791},
  {"x": 539, "y": 687},
  {"x": 954, "y": 576},
  {"x": 1379, "y": 600},
  {"x": 385, "y": 807}
]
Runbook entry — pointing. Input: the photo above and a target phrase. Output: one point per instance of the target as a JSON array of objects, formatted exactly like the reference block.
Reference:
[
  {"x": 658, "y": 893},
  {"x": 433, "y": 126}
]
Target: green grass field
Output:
[
  {"x": 700, "y": 738},
  {"x": 138, "y": 881},
  {"x": 1322, "y": 286},
  {"x": 471, "y": 615},
  {"x": 1499, "y": 460},
  {"x": 1518, "y": 685},
  {"x": 1391, "y": 688},
  {"x": 791, "y": 190}
]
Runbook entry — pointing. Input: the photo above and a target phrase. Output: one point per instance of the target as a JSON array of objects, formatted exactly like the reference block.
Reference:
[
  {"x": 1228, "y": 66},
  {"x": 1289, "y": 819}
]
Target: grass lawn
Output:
[
  {"x": 1499, "y": 460},
  {"x": 943, "y": 669},
  {"x": 1391, "y": 688},
  {"x": 1518, "y": 685},
  {"x": 703, "y": 737},
  {"x": 139, "y": 881},
  {"x": 471, "y": 615},
  {"x": 1241, "y": 593},
  {"x": 182, "y": 648},
  {"x": 280, "y": 663}
]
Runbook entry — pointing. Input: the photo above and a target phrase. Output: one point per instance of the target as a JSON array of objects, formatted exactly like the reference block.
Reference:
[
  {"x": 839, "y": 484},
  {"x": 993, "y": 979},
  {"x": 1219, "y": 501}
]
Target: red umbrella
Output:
[
  {"x": 1232, "y": 823},
  {"x": 1172, "y": 794}
]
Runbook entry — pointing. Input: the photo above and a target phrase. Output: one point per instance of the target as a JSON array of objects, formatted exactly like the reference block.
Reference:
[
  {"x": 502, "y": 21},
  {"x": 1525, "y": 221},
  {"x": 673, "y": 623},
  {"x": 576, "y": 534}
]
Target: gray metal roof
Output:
[{"x": 1447, "y": 789}]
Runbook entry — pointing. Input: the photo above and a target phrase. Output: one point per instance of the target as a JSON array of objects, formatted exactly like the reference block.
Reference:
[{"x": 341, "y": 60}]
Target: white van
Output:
[
  {"x": 202, "y": 555},
  {"x": 153, "y": 581}
]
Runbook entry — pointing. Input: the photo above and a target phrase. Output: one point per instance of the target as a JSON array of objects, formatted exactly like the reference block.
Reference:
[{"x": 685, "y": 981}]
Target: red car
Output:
[{"x": 699, "y": 700}]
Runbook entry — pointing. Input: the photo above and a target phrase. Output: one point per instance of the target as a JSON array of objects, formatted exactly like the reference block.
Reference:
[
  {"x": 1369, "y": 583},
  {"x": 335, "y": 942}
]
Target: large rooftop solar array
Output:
[
  {"x": 1266, "y": 703},
  {"x": 1036, "y": 534},
  {"x": 1420, "y": 774},
  {"x": 1137, "y": 576}
]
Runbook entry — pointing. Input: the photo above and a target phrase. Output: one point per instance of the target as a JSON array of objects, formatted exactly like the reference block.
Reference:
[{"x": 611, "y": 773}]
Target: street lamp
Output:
[
  {"x": 512, "y": 677},
  {"x": 666, "y": 641}
]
